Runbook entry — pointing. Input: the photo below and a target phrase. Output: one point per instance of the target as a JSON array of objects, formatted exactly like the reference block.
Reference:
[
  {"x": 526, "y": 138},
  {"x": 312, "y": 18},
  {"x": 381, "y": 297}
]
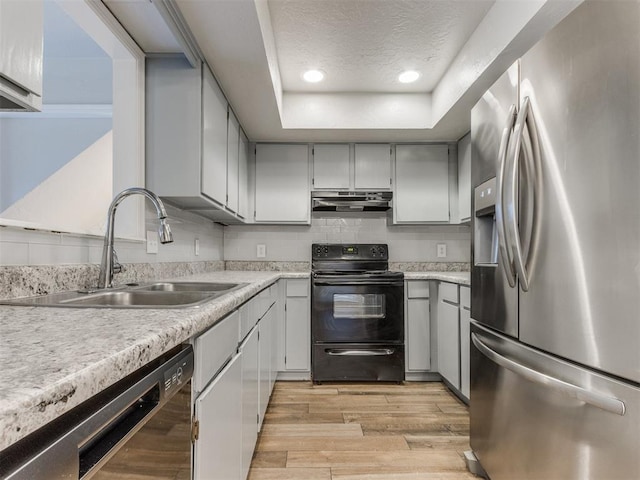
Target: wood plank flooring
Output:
[{"x": 341, "y": 431}]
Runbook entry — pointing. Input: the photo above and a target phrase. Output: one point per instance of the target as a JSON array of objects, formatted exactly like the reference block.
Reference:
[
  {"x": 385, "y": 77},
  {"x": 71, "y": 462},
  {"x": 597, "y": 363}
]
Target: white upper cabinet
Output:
[
  {"x": 464, "y": 178},
  {"x": 282, "y": 192},
  {"x": 21, "y": 54},
  {"x": 189, "y": 162},
  {"x": 243, "y": 176},
  {"x": 421, "y": 193},
  {"x": 214, "y": 139},
  {"x": 372, "y": 167},
  {"x": 233, "y": 162},
  {"x": 331, "y": 167}
]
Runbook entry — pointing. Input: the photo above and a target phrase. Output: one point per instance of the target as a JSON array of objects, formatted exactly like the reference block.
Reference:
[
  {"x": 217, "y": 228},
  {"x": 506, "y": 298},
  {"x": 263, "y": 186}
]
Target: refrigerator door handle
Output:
[
  {"x": 505, "y": 252},
  {"x": 525, "y": 139},
  {"x": 599, "y": 400}
]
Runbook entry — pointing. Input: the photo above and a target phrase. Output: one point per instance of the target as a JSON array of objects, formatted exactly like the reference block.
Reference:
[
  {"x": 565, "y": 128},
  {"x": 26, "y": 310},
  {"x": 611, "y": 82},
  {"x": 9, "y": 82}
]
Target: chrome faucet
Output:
[{"x": 110, "y": 263}]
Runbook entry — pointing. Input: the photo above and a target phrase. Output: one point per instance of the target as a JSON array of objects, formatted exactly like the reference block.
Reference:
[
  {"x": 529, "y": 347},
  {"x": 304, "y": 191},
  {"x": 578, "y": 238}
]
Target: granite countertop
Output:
[
  {"x": 461, "y": 278},
  {"x": 53, "y": 359}
]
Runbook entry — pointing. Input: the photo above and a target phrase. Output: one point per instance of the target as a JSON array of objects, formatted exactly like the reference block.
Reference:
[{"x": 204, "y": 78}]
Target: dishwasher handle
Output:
[
  {"x": 78, "y": 443},
  {"x": 98, "y": 449},
  {"x": 102, "y": 434}
]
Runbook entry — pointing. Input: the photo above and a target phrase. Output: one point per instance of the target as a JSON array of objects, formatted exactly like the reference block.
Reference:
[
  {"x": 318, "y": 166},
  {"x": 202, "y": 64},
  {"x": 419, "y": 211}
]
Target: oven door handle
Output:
[
  {"x": 369, "y": 352},
  {"x": 357, "y": 283}
]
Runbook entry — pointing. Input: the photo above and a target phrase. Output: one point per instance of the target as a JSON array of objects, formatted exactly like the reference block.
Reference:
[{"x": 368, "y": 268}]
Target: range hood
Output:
[{"x": 351, "y": 201}]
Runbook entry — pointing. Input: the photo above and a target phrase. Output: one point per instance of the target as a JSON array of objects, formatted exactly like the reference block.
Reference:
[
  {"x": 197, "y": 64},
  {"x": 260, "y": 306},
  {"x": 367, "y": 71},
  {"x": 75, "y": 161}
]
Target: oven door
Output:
[{"x": 357, "y": 310}]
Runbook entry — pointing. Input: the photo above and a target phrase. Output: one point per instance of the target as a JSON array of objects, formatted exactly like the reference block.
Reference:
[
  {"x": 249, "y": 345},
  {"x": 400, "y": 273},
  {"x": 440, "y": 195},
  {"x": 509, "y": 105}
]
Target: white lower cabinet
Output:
[
  {"x": 449, "y": 334},
  {"x": 297, "y": 326},
  {"x": 264, "y": 353},
  {"x": 465, "y": 332},
  {"x": 417, "y": 327},
  {"x": 250, "y": 398},
  {"x": 453, "y": 324},
  {"x": 231, "y": 402},
  {"x": 218, "y": 449}
]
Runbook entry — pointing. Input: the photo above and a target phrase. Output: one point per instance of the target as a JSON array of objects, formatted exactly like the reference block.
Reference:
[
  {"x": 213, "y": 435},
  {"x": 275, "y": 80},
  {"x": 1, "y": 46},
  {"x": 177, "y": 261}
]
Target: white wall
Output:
[
  {"x": 293, "y": 243},
  {"x": 24, "y": 247}
]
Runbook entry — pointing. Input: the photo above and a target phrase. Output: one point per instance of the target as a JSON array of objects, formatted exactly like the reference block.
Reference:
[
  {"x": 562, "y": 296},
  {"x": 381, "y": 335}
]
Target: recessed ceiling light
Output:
[
  {"x": 313, "y": 76},
  {"x": 408, "y": 77}
]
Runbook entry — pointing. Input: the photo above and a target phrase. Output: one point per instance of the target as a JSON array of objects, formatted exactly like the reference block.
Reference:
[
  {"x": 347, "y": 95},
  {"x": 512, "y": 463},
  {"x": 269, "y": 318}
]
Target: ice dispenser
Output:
[{"x": 485, "y": 234}]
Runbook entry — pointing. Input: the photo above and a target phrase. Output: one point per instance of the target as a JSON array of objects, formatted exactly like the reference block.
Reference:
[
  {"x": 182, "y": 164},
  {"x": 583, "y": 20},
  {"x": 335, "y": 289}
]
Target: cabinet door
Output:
[
  {"x": 273, "y": 321},
  {"x": 422, "y": 183},
  {"x": 297, "y": 326},
  {"x": 282, "y": 183},
  {"x": 448, "y": 343},
  {"x": 464, "y": 178},
  {"x": 264, "y": 352},
  {"x": 243, "y": 176},
  {"x": 331, "y": 167},
  {"x": 465, "y": 327},
  {"x": 418, "y": 337},
  {"x": 21, "y": 33},
  {"x": 233, "y": 161},
  {"x": 372, "y": 167},
  {"x": 250, "y": 393},
  {"x": 214, "y": 139},
  {"x": 218, "y": 450}
]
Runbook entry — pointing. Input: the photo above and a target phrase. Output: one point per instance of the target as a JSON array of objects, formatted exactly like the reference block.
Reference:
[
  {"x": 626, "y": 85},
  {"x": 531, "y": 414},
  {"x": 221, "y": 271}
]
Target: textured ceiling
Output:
[
  {"x": 257, "y": 49},
  {"x": 363, "y": 45}
]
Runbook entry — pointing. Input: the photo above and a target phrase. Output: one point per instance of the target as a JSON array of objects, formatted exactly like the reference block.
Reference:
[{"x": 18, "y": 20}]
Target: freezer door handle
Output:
[
  {"x": 595, "y": 399},
  {"x": 525, "y": 139},
  {"x": 505, "y": 253}
]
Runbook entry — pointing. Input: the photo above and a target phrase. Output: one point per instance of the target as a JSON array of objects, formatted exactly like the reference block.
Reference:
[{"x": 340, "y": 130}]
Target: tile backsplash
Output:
[
  {"x": 27, "y": 247},
  {"x": 407, "y": 243}
]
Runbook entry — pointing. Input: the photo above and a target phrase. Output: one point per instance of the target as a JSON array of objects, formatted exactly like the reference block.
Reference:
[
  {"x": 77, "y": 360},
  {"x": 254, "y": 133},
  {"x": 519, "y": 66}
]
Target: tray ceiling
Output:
[{"x": 258, "y": 50}]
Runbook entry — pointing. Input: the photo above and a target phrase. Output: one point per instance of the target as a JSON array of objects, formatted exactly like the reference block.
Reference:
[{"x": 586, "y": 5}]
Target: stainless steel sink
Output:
[
  {"x": 155, "y": 295},
  {"x": 189, "y": 287}
]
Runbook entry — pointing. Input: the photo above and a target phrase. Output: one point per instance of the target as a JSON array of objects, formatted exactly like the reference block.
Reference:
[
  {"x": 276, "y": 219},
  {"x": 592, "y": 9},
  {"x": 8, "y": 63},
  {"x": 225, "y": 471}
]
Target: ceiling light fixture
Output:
[
  {"x": 409, "y": 76},
  {"x": 313, "y": 76}
]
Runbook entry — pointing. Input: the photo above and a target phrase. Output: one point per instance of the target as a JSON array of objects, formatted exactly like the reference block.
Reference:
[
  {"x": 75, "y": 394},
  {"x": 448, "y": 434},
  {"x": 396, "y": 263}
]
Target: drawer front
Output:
[
  {"x": 214, "y": 347},
  {"x": 297, "y": 288},
  {"x": 448, "y": 292},
  {"x": 418, "y": 289},
  {"x": 465, "y": 297}
]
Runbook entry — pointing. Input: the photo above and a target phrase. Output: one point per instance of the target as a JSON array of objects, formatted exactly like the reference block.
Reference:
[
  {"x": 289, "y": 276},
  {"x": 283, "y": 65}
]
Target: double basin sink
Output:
[{"x": 154, "y": 295}]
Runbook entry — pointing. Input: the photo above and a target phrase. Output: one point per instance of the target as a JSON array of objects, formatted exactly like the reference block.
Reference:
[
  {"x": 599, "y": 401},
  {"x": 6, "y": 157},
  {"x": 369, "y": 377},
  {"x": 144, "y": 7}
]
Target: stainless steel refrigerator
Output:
[{"x": 555, "y": 337}]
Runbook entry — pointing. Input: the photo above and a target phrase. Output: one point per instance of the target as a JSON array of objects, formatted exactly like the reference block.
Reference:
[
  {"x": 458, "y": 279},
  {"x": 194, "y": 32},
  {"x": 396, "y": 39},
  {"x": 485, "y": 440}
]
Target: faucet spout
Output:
[{"x": 105, "y": 279}]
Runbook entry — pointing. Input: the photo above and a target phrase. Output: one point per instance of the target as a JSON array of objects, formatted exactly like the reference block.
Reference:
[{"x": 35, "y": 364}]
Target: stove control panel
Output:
[{"x": 346, "y": 252}]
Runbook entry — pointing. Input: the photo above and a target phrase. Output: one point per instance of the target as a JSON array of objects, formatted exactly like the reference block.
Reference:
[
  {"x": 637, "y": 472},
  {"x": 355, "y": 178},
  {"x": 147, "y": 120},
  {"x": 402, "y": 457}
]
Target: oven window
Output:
[{"x": 358, "y": 305}]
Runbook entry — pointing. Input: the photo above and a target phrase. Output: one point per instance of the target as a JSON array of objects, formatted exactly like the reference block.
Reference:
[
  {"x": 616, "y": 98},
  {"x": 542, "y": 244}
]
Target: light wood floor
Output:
[{"x": 362, "y": 431}]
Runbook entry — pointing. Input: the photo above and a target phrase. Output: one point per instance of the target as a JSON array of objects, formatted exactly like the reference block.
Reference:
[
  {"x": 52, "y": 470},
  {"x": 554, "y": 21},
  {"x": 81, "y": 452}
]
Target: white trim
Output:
[
  {"x": 127, "y": 111},
  {"x": 65, "y": 111}
]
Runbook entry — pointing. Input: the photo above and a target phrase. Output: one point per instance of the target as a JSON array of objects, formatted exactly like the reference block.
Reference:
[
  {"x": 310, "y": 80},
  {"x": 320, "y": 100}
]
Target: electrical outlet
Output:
[
  {"x": 261, "y": 251},
  {"x": 152, "y": 242},
  {"x": 441, "y": 249},
  {"x": 196, "y": 247}
]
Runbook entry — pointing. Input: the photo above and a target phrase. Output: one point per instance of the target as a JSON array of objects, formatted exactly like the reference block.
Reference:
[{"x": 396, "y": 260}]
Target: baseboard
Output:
[
  {"x": 422, "y": 377},
  {"x": 293, "y": 376}
]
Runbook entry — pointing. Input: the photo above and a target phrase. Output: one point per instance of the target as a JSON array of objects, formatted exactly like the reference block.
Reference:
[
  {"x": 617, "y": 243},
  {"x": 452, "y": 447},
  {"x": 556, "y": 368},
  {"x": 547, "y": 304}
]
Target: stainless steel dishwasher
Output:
[{"x": 141, "y": 426}]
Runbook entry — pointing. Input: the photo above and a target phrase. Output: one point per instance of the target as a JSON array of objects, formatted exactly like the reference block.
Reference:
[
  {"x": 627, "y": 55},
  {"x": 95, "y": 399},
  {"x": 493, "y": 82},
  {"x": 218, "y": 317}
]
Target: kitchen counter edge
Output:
[
  {"x": 461, "y": 278},
  {"x": 56, "y": 358}
]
